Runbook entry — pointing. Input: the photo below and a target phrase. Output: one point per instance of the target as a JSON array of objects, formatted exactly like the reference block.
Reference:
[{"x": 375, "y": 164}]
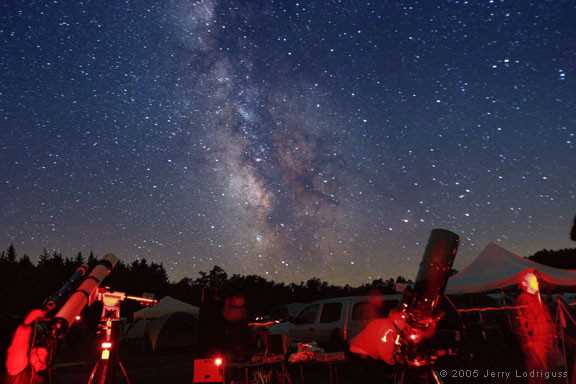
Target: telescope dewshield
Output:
[
  {"x": 85, "y": 292},
  {"x": 434, "y": 272}
]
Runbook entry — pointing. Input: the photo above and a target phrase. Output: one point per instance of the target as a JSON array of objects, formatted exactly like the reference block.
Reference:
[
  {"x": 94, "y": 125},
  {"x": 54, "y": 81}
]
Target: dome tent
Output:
[
  {"x": 168, "y": 324},
  {"x": 165, "y": 306}
]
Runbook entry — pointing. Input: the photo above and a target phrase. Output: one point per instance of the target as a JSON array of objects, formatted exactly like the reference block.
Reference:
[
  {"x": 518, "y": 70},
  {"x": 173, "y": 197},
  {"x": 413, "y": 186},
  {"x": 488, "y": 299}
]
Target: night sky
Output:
[{"x": 286, "y": 139}]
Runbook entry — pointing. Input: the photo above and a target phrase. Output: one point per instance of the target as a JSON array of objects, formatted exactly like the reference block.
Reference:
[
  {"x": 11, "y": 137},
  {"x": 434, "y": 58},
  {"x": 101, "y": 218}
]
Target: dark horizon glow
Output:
[{"x": 287, "y": 139}]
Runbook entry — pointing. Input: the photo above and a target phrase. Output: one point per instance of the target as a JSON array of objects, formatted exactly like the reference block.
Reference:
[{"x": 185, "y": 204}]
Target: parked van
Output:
[{"x": 333, "y": 322}]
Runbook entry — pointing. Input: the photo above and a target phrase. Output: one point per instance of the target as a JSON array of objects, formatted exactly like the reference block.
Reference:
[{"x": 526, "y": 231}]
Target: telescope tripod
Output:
[
  {"x": 108, "y": 364},
  {"x": 102, "y": 373},
  {"x": 106, "y": 368},
  {"x": 425, "y": 375}
]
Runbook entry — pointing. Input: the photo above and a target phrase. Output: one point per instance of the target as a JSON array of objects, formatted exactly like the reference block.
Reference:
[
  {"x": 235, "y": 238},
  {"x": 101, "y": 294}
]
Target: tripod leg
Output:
[
  {"x": 93, "y": 373},
  {"x": 286, "y": 374},
  {"x": 399, "y": 376},
  {"x": 124, "y": 373},
  {"x": 435, "y": 378},
  {"x": 104, "y": 372}
]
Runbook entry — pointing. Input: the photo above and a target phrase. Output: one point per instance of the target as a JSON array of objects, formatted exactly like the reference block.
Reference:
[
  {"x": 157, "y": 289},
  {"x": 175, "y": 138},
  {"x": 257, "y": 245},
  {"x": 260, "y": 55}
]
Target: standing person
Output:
[
  {"x": 535, "y": 329},
  {"x": 211, "y": 324},
  {"x": 26, "y": 364},
  {"x": 573, "y": 238},
  {"x": 240, "y": 342}
]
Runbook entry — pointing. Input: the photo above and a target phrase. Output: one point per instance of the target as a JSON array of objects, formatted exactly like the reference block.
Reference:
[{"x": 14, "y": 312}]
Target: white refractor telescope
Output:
[{"x": 85, "y": 294}]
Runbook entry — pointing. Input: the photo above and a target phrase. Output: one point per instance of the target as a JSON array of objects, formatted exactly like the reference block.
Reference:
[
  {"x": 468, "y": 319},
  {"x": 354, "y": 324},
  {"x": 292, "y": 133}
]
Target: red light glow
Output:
[
  {"x": 385, "y": 337},
  {"x": 106, "y": 345},
  {"x": 530, "y": 283},
  {"x": 218, "y": 361}
]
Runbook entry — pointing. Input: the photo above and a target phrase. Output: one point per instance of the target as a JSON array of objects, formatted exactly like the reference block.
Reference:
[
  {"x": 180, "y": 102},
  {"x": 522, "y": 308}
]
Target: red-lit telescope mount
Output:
[{"x": 400, "y": 339}]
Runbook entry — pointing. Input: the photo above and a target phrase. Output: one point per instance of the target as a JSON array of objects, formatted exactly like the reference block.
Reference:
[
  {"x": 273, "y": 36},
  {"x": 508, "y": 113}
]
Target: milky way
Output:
[
  {"x": 275, "y": 156},
  {"x": 287, "y": 139}
]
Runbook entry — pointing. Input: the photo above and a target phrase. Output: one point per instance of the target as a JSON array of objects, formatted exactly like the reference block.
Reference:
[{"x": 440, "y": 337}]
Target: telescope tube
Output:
[
  {"x": 85, "y": 292},
  {"x": 432, "y": 275},
  {"x": 52, "y": 302}
]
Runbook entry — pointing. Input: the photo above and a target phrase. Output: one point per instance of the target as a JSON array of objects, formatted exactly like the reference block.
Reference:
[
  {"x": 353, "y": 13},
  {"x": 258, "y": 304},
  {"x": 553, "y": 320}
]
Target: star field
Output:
[{"x": 287, "y": 139}]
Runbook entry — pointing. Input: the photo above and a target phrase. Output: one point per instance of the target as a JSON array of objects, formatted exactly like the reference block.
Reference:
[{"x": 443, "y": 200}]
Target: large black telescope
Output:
[
  {"x": 403, "y": 337},
  {"x": 433, "y": 274}
]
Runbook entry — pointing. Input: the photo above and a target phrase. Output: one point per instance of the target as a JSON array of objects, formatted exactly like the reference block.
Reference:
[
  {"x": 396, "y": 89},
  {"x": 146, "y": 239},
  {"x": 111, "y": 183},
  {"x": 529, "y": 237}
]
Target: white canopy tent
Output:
[{"x": 496, "y": 268}]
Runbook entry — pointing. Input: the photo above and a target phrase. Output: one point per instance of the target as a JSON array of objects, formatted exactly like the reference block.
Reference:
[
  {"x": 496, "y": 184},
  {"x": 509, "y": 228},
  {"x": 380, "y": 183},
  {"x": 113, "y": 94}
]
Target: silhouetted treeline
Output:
[
  {"x": 24, "y": 285},
  {"x": 562, "y": 258}
]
